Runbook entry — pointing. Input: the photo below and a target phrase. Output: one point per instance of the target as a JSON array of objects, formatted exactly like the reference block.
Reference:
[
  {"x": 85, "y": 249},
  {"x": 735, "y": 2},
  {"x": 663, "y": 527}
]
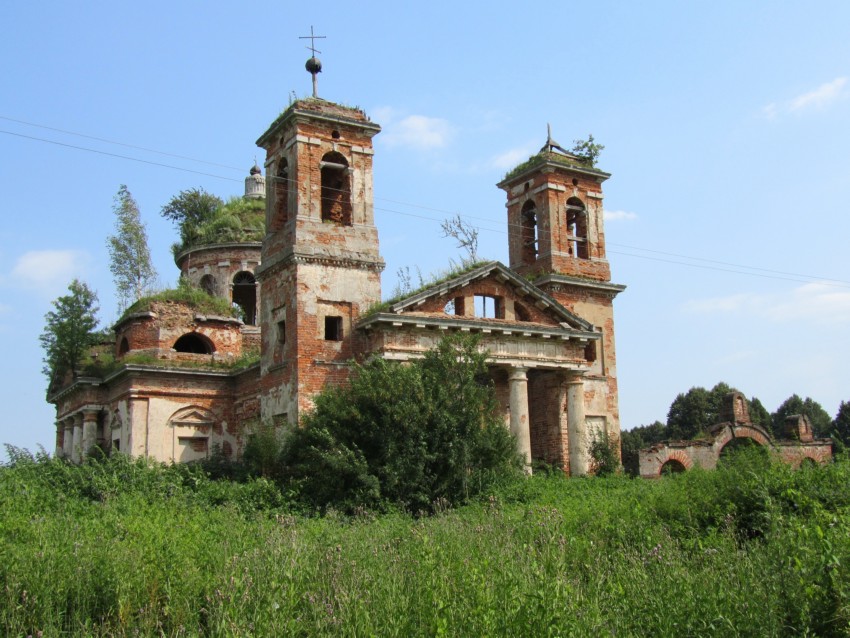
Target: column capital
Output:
[{"x": 518, "y": 373}]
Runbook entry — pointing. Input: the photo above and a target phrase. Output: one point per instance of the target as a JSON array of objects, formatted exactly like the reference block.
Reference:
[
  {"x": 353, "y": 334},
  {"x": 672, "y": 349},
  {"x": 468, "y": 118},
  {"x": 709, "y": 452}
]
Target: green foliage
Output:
[
  {"x": 69, "y": 330},
  {"x": 588, "y": 150},
  {"x": 185, "y": 293},
  {"x": 840, "y": 428},
  {"x": 129, "y": 257},
  {"x": 691, "y": 414},
  {"x": 204, "y": 219},
  {"x": 819, "y": 418},
  {"x": 604, "y": 458},
  {"x": 410, "y": 435},
  {"x": 123, "y": 548},
  {"x": 189, "y": 209},
  {"x": 263, "y": 447}
]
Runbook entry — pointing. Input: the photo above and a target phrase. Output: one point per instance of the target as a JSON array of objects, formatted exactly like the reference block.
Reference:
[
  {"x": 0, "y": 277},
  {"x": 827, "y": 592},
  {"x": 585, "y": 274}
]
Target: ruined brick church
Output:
[{"x": 310, "y": 296}]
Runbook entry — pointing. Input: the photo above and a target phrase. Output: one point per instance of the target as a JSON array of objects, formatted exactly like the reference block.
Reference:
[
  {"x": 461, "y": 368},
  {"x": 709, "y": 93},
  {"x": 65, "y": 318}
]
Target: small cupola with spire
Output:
[{"x": 255, "y": 183}]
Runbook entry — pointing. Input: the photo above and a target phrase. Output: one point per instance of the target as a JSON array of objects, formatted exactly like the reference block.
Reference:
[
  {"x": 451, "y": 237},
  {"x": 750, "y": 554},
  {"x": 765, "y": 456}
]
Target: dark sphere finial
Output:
[{"x": 314, "y": 65}]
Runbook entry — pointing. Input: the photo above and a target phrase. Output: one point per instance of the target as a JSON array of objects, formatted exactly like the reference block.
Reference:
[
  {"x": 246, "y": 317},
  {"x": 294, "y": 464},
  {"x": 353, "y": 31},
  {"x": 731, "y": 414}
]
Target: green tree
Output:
[
  {"x": 818, "y": 417},
  {"x": 759, "y": 414},
  {"x": 414, "y": 435},
  {"x": 189, "y": 210},
  {"x": 69, "y": 330},
  {"x": 636, "y": 439},
  {"x": 129, "y": 256},
  {"x": 841, "y": 424},
  {"x": 588, "y": 150}
]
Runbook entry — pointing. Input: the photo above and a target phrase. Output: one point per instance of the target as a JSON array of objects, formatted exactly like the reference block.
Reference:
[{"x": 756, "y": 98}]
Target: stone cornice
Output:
[
  {"x": 236, "y": 245},
  {"x": 271, "y": 265},
  {"x": 296, "y": 114},
  {"x": 566, "y": 280},
  {"x": 463, "y": 324}
]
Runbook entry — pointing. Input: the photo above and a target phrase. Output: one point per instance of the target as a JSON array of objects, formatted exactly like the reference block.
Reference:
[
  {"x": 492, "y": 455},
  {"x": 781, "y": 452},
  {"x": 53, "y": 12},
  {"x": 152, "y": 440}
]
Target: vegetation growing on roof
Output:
[
  {"x": 239, "y": 220},
  {"x": 442, "y": 276},
  {"x": 186, "y": 294},
  {"x": 204, "y": 219}
]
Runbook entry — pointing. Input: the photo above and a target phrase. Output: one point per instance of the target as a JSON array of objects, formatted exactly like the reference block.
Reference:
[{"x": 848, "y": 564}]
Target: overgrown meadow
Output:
[{"x": 120, "y": 547}]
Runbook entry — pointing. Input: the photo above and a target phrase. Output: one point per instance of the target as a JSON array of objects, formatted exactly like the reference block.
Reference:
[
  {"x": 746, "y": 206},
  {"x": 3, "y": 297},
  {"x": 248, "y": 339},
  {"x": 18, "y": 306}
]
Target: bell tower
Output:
[
  {"x": 556, "y": 237},
  {"x": 321, "y": 265},
  {"x": 555, "y": 220}
]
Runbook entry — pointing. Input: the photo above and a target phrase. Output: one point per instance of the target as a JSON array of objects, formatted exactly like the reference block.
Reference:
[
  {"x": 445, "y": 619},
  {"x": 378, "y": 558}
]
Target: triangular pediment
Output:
[
  {"x": 192, "y": 417},
  {"x": 533, "y": 306}
]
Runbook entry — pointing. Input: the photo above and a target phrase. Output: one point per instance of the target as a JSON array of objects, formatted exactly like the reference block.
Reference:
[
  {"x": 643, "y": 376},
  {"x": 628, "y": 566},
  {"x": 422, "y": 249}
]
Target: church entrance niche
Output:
[
  {"x": 245, "y": 296},
  {"x": 336, "y": 189}
]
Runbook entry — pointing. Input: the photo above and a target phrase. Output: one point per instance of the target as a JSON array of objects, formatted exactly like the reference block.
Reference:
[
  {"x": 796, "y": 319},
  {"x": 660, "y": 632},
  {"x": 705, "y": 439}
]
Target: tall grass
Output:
[{"x": 129, "y": 548}]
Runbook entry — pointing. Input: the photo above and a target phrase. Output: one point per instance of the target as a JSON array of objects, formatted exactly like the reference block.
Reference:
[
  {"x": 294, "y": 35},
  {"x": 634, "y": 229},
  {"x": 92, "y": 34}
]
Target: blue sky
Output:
[{"x": 726, "y": 127}]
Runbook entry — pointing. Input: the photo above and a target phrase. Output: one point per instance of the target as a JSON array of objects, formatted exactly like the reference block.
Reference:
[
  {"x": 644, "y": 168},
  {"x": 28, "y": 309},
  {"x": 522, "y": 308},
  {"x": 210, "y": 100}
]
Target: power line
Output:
[
  {"x": 126, "y": 157},
  {"x": 101, "y": 139},
  {"x": 741, "y": 269}
]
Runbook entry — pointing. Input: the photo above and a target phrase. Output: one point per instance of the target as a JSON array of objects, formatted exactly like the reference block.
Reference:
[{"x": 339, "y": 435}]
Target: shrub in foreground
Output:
[{"x": 404, "y": 434}]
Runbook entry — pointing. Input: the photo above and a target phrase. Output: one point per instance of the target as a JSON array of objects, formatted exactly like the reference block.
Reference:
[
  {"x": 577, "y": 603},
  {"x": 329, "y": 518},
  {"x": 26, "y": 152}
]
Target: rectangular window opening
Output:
[
  {"x": 333, "y": 328},
  {"x": 281, "y": 332},
  {"x": 489, "y": 307}
]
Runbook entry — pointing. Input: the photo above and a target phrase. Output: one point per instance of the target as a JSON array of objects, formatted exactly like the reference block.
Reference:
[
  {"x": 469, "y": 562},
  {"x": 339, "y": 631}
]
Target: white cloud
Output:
[
  {"x": 618, "y": 215},
  {"x": 819, "y": 98},
  {"x": 416, "y": 131},
  {"x": 48, "y": 271},
  {"x": 512, "y": 157},
  {"x": 814, "y": 303}
]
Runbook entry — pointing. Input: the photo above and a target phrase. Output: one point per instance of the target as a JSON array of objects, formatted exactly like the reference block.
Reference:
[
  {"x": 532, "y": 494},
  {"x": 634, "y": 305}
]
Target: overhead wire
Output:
[{"x": 733, "y": 268}]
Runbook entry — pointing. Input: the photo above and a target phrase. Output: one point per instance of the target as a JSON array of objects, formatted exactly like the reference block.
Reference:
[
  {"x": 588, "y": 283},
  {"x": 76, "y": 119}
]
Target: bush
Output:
[{"x": 409, "y": 435}]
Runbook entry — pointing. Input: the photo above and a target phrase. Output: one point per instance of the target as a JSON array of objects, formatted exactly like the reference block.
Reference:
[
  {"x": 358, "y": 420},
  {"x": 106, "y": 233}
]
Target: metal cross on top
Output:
[
  {"x": 313, "y": 65},
  {"x": 312, "y": 39}
]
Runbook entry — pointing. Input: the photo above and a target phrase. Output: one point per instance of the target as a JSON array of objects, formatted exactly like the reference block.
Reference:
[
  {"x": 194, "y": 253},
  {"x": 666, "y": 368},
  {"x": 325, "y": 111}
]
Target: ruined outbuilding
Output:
[
  {"x": 796, "y": 448},
  {"x": 310, "y": 299}
]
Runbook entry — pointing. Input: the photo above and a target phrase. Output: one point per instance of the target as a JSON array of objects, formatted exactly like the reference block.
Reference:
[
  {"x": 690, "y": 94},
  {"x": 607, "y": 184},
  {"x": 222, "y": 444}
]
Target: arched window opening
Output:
[
  {"x": 336, "y": 189},
  {"x": 245, "y": 296},
  {"x": 672, "y": 466},
  {"x": 528, "y": 232},
  {"x": 577, "y": 228},
  {"x": 208, "y": 285},
  {"x": 808, "y": 463},
  {"x": 281, "y": 197},
  {"x": 489, "y": 307},
  {"x": 521, "y": 312},
  {"x": 194, "y": 343},
  {"x": 123, "y": 347},
  {"x": 751, "y": 449}
]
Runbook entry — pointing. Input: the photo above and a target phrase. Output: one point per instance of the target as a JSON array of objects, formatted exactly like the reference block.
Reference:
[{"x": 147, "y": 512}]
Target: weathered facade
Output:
[{"x": 310, "y": 299}]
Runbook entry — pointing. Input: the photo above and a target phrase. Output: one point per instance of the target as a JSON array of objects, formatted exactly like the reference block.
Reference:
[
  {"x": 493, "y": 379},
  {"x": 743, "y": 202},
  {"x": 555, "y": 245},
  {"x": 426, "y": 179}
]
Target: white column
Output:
[
  {"x": 520, "y": 426},
  {"x": 76, "y": 455},
  {"x": 89, "y": 432},
  {"x": 579, "y": 450},
  {"x": 68, "y": 440}
]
